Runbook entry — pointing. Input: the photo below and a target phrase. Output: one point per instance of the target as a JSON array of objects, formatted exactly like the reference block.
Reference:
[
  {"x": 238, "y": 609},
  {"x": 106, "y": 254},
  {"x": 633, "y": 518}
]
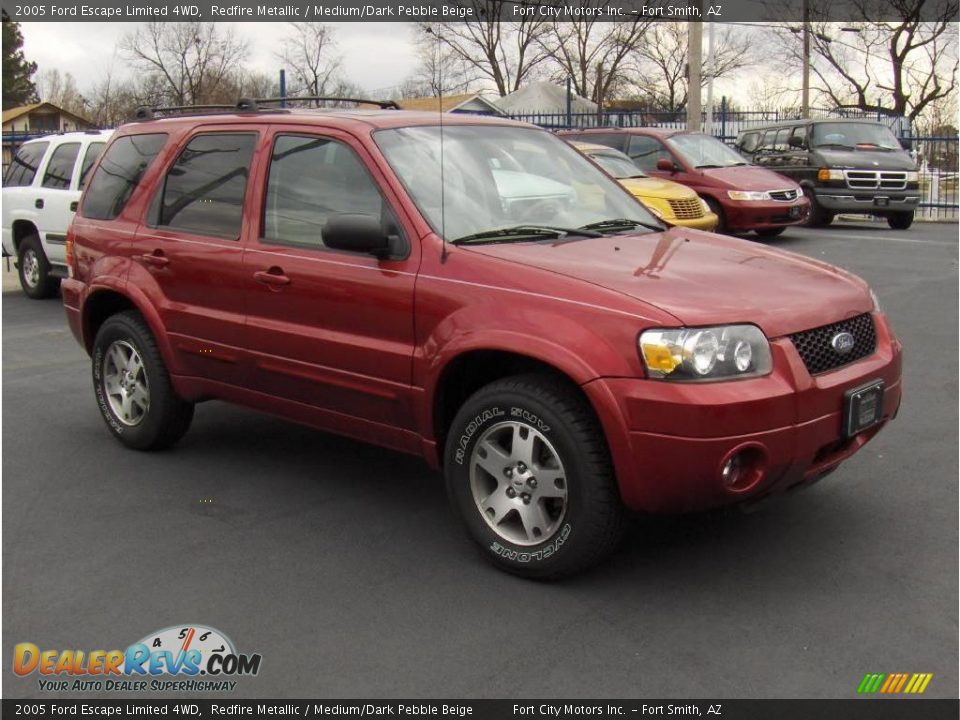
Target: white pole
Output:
[
  {"x": 694, "y": 61},
  {"x": 711, "y": 70}
]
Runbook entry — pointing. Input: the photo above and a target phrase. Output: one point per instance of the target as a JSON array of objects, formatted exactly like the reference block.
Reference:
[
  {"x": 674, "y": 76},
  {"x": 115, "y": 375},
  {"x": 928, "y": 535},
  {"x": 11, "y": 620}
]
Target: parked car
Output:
[
  {"x": 559, "y": 361},
  {"x": 672, "y": 202},
  {"x": 843, "y": 166},
  {"x": 40, "y": 193},
  {"x": 744, "y": 197}
]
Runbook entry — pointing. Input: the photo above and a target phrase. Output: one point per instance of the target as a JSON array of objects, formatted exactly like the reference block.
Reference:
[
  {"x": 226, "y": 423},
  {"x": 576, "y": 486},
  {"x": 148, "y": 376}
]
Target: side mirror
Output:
[
  {"x": 361, "y": 233},
  {"x": 666, "y": 165},
  {"x": 795, "y": 142}
]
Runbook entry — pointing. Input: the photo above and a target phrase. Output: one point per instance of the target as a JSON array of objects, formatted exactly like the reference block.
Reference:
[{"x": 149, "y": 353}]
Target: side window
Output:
[
  {"x": 801, "y": 133},
  {"x": 25, "y": 163},
  {"x": 749, "y": 142},
  {"x": 769, "y": 141},
  {"x": 614, "y": 140},
  {"x": 311, "y": 179},
  {"x": 780, "y": 145},
  {"x": 94, "y": 151},
  {"x": 645, "y": 151},
  {"x": 59, "y": 171},
  {"x": 119, "y": 173},
  {"x": 204, "y": 189}
]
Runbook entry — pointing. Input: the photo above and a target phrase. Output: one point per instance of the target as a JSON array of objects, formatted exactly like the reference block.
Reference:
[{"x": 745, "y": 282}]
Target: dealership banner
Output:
[
  {"x": 463, "y": 10},
  {"x": 490, "y": 709}
]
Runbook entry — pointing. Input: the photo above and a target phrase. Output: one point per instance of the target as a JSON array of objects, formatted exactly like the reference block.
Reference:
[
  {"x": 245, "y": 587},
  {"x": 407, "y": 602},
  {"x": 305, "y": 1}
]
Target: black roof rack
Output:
[
  {"x": 250, "y": 105},
  {"x": 253, "y": 103}
]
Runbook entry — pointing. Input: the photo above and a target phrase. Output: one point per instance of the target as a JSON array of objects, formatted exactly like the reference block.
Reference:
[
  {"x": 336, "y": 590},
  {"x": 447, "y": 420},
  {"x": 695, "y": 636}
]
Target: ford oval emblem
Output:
[{"x": 842, "y": 342}]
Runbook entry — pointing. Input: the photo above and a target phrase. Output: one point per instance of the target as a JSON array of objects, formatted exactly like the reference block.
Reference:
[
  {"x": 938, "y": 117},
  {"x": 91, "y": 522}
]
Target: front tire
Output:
[
  {"x": 529, "y": 474},
  {"x": 900, "y": 220},
  {"x": 132, "y": 386},
  {"x": 34, "y": 270},
  {"x": 770, "y": 232},
  {"x": 818, "y": 217}
]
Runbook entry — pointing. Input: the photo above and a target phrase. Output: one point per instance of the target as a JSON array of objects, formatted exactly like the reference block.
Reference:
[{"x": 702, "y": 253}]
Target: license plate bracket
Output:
[
  {"x": 862, "y": 407},
  {"x": 881, "y": 201}
]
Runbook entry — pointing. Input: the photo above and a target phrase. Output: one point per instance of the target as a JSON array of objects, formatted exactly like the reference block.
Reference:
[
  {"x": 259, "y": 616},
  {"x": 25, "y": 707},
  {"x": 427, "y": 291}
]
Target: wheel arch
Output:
[
  {"x": 21, "y": 229},
  {"x": 105, "y": 301}
]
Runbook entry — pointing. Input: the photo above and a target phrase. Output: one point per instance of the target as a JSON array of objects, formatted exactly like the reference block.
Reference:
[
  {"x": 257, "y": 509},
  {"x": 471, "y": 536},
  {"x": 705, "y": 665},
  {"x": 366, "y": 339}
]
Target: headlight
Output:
[
  {"x": 656, "y": 212},
  {"x": 876, "y": 302},
  {"x": 913, "y": 176},
  {"x": 717, "y": 353},
  {"x": 825, "y": 174},
  {"x": 747, "y": 195},
  {"x": 706, "y": 206}
]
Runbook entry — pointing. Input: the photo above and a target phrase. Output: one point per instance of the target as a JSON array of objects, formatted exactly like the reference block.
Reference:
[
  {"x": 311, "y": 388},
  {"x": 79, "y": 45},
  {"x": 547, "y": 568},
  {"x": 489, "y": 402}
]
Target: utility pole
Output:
[
  {"x": 711, "y": 71},
  {"x": 694, "y": 61},
  {"x": 805, "y": 96}
]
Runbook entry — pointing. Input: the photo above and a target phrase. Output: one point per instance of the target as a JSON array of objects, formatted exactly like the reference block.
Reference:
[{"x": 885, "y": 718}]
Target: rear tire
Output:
[
  {"x": 818, "y": 217},
  {"x": 770, "y": 232},
  {"x": 900, "y": 220},
  {"x": 529, "y": 473},
  {"x": 132, "y": 386},
  {"x": 34, "y": 270}
]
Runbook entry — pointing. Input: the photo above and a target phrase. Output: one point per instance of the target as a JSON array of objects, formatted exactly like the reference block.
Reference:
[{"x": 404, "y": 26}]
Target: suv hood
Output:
[
  {"x": 748, "y": 177},
  {"x": 702, "y": 278},
  {"x": 866, "y": 159}
]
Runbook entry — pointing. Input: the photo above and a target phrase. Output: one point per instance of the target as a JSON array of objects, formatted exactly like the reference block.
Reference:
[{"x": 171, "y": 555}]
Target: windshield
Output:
[
  {"x": 495, "y": 178},
  {"x": 703, "y": 151},
  {"x": 620, "y": 166},
  {"x": 853, "y": 135}
]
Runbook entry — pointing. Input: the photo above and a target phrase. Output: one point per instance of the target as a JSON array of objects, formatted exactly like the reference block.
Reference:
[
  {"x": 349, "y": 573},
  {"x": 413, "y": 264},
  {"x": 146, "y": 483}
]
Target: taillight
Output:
[{"x": 68, "y": 255}]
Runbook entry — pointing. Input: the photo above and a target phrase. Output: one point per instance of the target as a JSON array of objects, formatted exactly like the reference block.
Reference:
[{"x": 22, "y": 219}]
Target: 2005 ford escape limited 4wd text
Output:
[{"x": 513, "y": 315}]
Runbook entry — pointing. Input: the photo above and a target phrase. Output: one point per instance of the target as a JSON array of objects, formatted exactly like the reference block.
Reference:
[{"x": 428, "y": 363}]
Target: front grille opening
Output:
[
  {"x": 816, "y": 348},
  {"x": 687, "y": 209}
]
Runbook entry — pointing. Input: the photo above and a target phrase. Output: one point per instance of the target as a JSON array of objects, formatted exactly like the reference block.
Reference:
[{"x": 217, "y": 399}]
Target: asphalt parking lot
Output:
[{"x": 341, "y": 565}]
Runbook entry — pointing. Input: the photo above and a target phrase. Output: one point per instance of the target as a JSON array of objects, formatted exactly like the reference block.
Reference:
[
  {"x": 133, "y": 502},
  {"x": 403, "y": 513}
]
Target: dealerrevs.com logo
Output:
[{"x": 187, "y": 658}]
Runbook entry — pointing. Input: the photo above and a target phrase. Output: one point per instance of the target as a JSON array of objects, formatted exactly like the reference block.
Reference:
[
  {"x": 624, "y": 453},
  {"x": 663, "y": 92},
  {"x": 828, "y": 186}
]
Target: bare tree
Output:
[
  {"x": 769, "y": 93},
  {"x": 594, "y": 54},
  {"x": 61, "y": 90},
  {"x": 503, "y": 53},
  {"x": 900, "y": 66},
  {"x": 662, "y": 62},
  {"x": 191, "y": 62},
  {"x": 111, "y": 101},
  {"x": 309, "y": 53},
  {"x": 440, "y": 69}
]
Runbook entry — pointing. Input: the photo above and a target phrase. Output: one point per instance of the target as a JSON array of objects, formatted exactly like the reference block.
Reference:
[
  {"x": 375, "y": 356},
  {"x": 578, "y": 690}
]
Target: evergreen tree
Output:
[{"x": 18, "y": 88}]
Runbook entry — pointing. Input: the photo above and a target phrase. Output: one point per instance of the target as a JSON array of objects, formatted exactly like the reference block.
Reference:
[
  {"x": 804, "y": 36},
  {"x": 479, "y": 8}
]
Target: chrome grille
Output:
[
  {"x": 687, "y": 209},
  {"x": 784, "y": 195},
  {"x": 875, "y": 179},
  {"x": 817, "y": 351}
]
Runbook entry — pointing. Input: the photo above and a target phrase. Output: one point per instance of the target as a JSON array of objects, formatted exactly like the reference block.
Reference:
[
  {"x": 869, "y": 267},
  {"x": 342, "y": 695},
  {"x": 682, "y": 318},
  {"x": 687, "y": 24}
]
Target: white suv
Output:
[{"x": 40, "y": 194}]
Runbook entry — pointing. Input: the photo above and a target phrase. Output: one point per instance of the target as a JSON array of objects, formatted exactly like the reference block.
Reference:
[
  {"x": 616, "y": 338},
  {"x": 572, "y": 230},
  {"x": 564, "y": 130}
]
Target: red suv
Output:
[
  {"x": 745, "y": 197},
  {"x": 478, "y": 294}
]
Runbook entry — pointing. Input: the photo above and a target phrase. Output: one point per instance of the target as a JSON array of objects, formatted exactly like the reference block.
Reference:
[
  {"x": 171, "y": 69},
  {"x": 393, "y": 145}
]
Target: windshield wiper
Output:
[
  {"x": 621, "y": 223},
  {"x": 525, "y": 232},
  {"x": 708, "y": 167},
  {"x": 834, "y": 145}
]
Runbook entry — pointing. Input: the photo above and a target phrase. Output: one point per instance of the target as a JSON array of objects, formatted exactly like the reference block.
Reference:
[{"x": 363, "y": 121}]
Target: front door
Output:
[{"x": 330, "y": 330}]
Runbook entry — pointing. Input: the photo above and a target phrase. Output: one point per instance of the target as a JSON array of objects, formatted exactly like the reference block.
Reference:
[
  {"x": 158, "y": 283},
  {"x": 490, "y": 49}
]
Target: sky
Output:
[{"x": 375, "y": 55}]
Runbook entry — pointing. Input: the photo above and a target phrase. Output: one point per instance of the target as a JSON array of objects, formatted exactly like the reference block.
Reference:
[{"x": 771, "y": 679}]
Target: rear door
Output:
[
  {"x": 188, "y": 254},
  {"x": 55, "y": 198},
  {"x": 330, "y": 329}
]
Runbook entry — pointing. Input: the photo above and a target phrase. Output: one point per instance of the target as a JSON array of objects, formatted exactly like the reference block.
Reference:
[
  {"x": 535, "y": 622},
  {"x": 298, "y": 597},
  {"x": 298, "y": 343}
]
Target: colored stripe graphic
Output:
[{"x": 894, "y": 683}]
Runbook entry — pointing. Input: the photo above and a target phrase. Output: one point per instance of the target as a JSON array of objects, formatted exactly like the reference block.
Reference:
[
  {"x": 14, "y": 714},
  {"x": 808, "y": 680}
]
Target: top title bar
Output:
[{"x": 758, "y": 11}]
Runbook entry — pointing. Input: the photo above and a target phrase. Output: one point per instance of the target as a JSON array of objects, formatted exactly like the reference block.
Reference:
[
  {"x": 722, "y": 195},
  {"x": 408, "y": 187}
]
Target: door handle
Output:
[
  {"x": 273, "y": 277},
  {"x": 156, "y": 259},
  {"x": 38, "y": 203},
  {"x": 74, "y": 205}
]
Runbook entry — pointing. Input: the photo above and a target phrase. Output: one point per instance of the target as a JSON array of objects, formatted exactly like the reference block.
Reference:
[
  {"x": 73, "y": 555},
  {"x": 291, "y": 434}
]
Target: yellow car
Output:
[{"x": 672, "y": 202}]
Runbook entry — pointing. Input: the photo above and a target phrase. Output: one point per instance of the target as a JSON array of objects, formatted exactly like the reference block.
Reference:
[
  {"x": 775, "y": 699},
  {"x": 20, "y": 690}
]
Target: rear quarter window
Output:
[
  {"x": 59, "y": 171},
  {"x": 24, "y": 166},
  {"x": 119, "y": 173}
]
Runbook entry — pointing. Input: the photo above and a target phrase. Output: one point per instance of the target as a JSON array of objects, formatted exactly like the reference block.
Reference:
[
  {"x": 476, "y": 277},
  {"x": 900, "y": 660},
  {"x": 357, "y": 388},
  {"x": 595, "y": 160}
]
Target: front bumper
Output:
[
  {"x": 743, "y": 215},
  {"x": 708, "y": 222},
  {"x": 844, "y": 199},
  {"x": 669, "y": 441}
]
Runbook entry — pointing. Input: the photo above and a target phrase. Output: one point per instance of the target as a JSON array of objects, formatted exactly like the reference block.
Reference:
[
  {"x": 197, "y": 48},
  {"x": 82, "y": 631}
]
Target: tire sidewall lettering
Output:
[{"x": 104, "y": 406}]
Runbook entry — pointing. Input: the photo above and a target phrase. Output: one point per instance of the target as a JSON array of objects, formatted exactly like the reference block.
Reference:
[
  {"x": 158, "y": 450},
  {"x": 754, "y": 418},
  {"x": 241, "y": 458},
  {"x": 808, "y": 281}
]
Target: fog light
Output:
[{"x": 743, "y": 469}]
